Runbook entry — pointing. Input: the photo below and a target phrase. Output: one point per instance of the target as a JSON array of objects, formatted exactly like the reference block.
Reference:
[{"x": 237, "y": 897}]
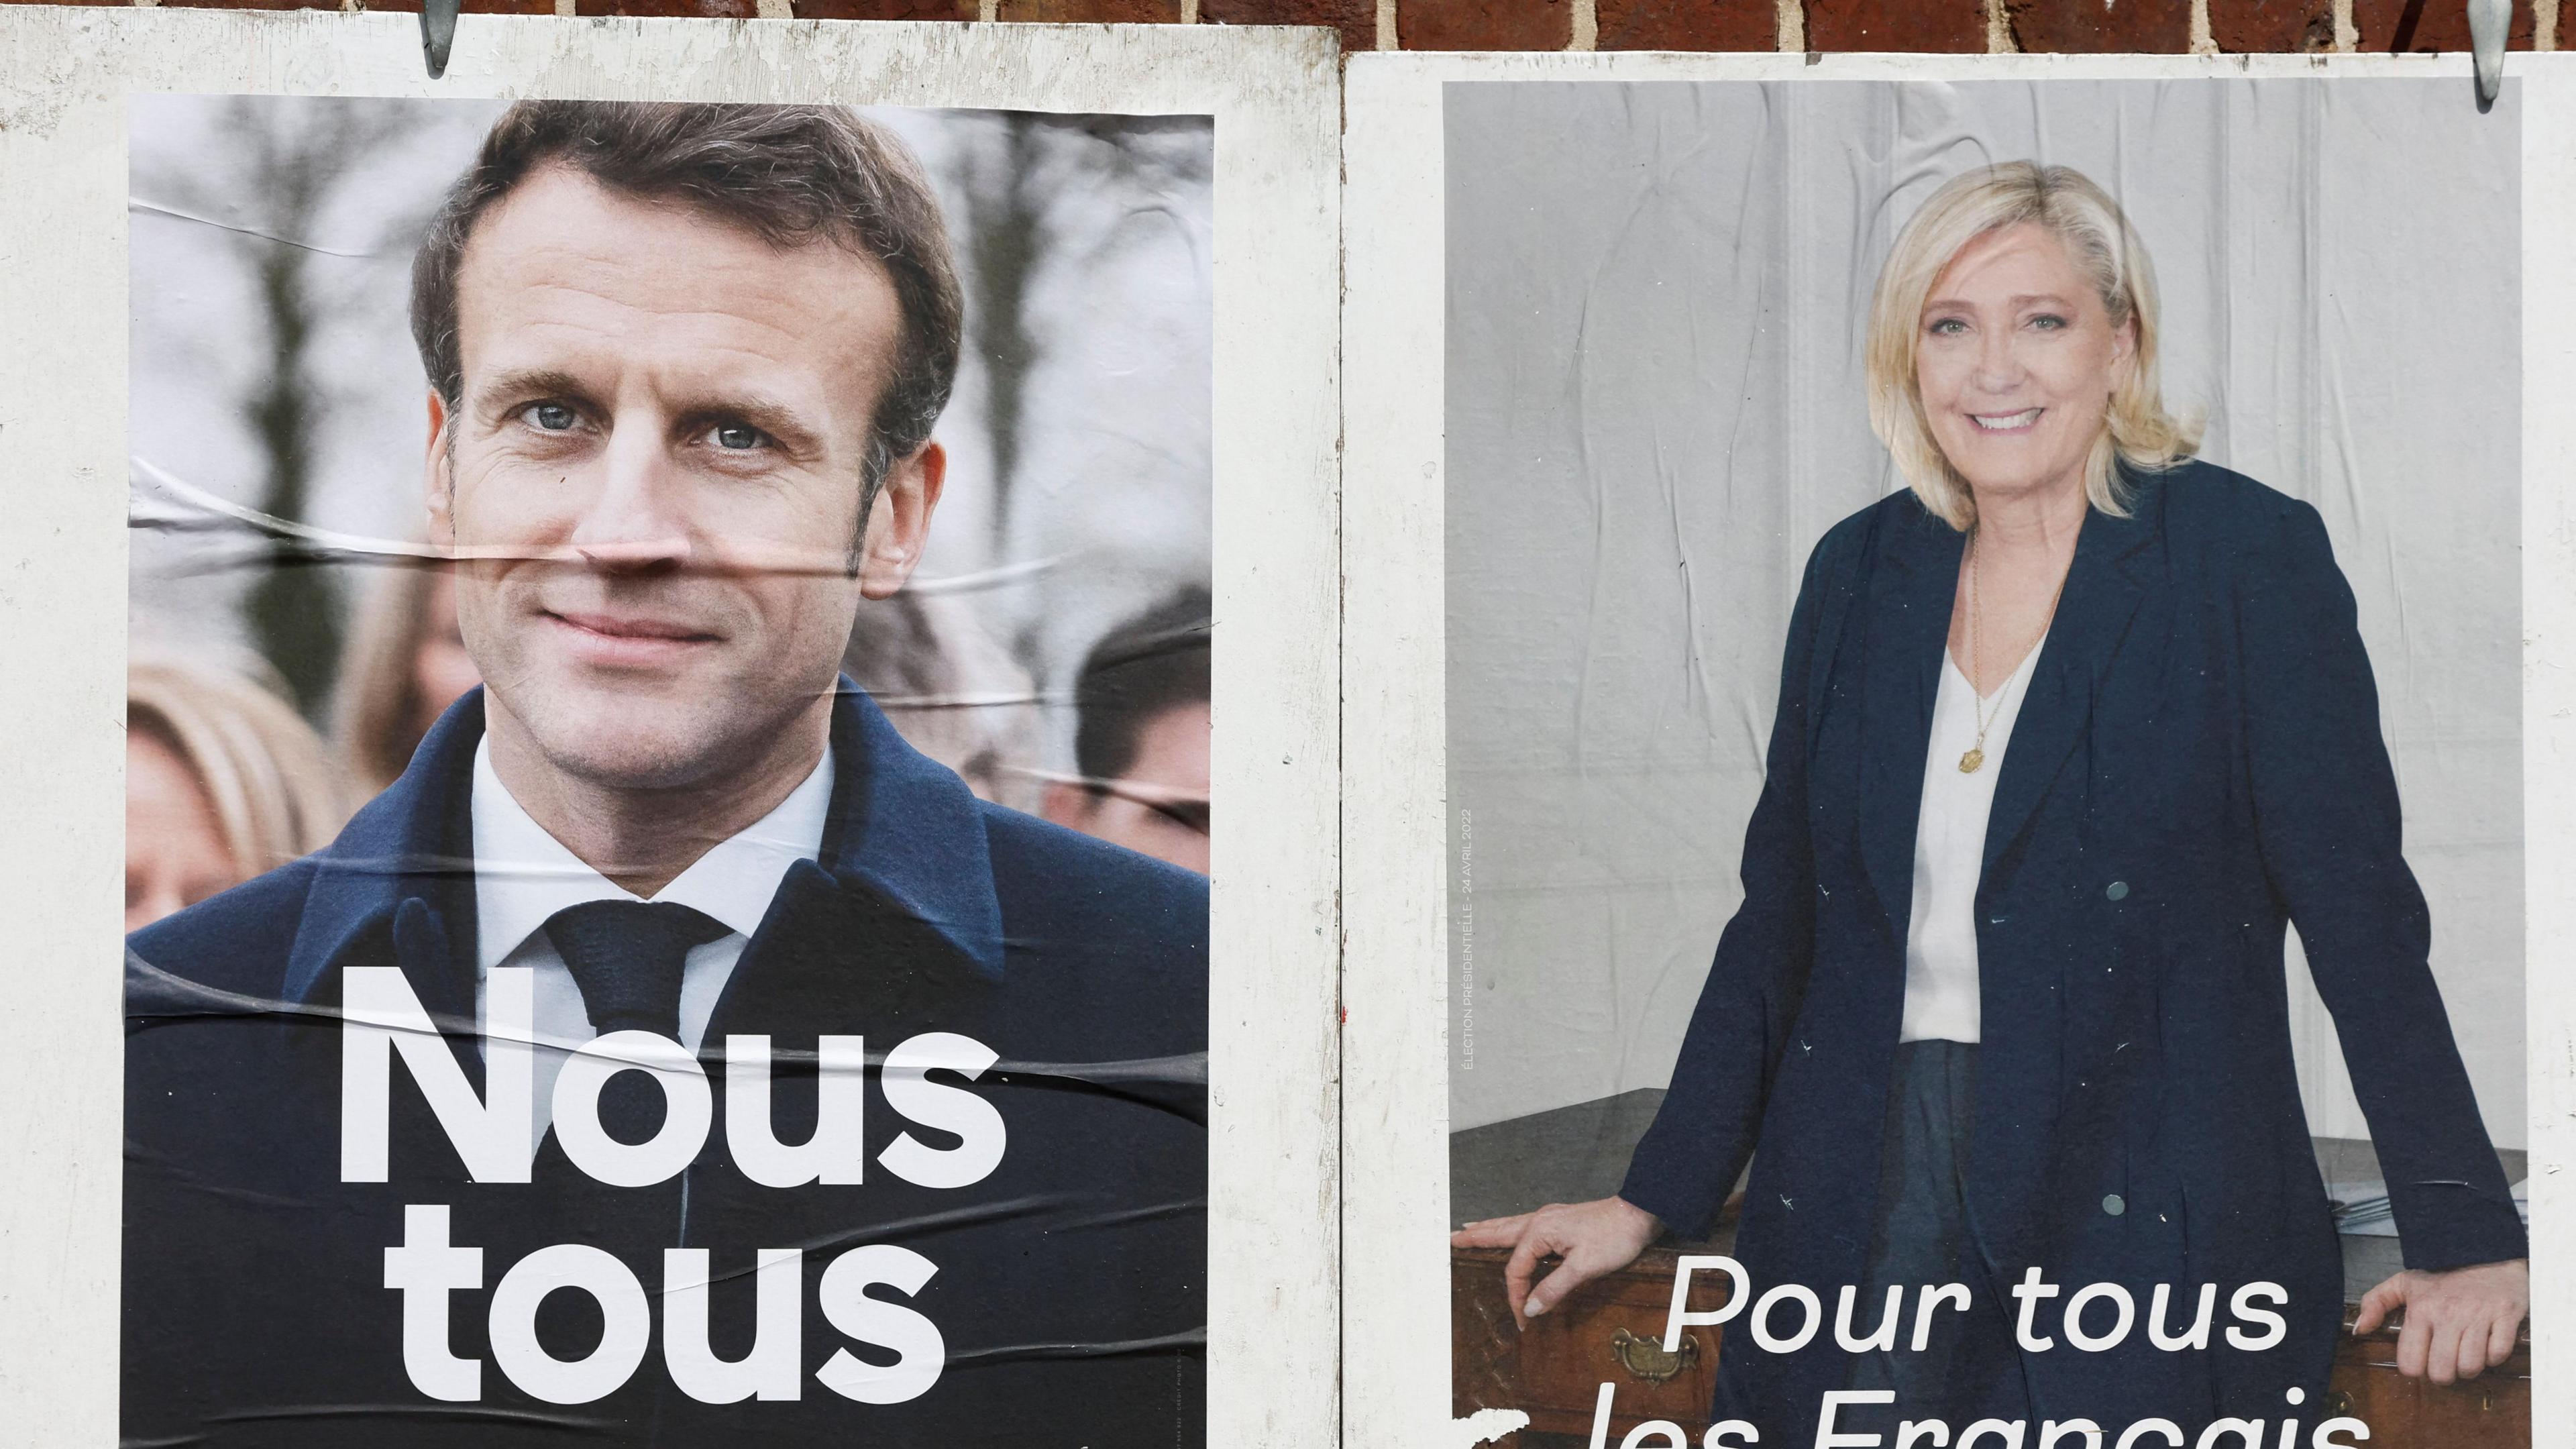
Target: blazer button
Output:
[
  {"x": 2118, "y": 890},
  {"x": 2113, "y": 1205}
]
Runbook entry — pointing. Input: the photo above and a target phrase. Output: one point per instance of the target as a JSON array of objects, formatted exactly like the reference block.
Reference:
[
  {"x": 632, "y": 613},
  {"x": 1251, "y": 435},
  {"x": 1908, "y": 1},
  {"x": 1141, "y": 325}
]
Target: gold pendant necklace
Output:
[
  {"x": 1975, "y": 758},
  {"x": 1976, "y": 754}
]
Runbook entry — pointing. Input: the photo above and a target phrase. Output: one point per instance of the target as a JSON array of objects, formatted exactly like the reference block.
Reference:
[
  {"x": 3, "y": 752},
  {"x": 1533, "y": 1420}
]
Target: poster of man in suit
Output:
[{"x": 611, "y": 582}]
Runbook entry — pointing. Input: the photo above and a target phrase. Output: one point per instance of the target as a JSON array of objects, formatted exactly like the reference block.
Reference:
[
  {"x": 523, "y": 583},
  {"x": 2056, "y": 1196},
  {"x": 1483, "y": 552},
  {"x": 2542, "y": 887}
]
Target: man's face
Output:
[
  {"x": 652, "y": 479},
  {"x": 1160, "y": 807}
]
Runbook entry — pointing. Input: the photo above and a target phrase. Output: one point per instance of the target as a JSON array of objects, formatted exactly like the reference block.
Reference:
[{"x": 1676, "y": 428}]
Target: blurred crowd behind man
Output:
[{"x": 1142, "y": 735}]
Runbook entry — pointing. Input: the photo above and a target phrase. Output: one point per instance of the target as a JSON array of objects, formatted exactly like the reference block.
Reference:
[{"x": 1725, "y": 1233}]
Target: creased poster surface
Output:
[
  {"x": 2098, "y": 930},
  {"x": 668, "y": 774}
]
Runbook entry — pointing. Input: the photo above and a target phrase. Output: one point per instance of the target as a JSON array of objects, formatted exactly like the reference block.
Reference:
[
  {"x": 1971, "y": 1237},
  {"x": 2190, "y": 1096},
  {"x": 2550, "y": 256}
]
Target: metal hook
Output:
[
  {"x": 2489, "y": 22},
  {"x": 438, "y": 33}
]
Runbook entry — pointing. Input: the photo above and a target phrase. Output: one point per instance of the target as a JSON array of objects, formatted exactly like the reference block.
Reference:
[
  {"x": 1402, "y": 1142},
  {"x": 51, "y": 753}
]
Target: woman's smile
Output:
[{"x": 2016, "y": 361}]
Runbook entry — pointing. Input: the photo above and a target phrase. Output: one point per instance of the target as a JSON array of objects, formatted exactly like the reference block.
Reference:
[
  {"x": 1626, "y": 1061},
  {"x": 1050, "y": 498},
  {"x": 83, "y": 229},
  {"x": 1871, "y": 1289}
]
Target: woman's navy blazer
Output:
[{"x": 2196, "y": 766}]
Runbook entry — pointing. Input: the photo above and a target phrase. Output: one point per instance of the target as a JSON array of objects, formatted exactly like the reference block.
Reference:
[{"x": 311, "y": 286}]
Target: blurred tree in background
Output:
[
  {"x": 1005, "y": 211},
  {"x": 1050, "y": 199},
  {"x": 294, "y": 169}
]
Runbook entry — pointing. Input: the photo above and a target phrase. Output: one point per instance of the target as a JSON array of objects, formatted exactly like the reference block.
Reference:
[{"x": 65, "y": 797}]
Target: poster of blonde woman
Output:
[{"x": 1983, "y": 757}]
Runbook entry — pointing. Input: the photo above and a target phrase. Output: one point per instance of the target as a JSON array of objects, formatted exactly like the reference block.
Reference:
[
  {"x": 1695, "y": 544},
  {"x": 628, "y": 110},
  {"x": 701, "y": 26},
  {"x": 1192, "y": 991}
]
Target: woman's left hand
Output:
[{"x": 2458, "y": 1323}]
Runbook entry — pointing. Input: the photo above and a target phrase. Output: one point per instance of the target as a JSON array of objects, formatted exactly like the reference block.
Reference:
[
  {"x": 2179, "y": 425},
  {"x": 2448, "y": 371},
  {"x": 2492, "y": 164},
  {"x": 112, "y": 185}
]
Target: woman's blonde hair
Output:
[
  {"x": 2103, "y": 246},
  {"x": 276, "y": 791}
]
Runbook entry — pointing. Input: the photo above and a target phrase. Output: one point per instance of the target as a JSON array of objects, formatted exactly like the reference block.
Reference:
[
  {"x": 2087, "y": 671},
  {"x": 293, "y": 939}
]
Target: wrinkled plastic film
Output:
[{"x": 938, "y": 974}]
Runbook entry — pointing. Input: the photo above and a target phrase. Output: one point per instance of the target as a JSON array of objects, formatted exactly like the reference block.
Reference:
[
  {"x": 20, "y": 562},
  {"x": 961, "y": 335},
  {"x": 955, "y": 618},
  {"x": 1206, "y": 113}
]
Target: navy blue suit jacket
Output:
[
  {"x": 1070, "y": 1290},
  {"x": 2197, "y": 764}
]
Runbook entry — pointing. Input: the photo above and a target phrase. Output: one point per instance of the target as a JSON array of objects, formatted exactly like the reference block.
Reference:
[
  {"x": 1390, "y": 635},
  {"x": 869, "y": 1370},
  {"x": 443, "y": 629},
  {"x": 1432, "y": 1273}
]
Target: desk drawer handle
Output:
[{"x": 1645, "y": 1359}]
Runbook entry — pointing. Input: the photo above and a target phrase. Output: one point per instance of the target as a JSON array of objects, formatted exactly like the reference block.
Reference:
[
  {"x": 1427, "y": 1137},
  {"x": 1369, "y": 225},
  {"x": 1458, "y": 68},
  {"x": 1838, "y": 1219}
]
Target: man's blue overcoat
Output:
[{"x": 1070, "y": 1284}]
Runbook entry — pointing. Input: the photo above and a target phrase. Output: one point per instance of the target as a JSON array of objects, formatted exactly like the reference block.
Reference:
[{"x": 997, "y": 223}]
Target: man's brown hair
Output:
[
  {"x": 792, "y": 175},
  {"x": 1152, "y": 663}
]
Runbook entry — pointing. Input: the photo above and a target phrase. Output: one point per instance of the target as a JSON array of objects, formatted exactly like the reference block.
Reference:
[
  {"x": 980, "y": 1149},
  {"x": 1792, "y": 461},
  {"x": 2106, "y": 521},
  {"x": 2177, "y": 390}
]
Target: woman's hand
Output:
[
  {"x": 2458, "y": 1324},
  {"x": 1592, "y": 1237}
]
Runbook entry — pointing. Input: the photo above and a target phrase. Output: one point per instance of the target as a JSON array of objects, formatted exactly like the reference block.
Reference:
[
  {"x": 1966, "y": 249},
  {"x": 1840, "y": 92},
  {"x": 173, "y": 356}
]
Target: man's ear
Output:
[
  {"x": 898, "y": 524},
  {"x": 438, "y": 477}
]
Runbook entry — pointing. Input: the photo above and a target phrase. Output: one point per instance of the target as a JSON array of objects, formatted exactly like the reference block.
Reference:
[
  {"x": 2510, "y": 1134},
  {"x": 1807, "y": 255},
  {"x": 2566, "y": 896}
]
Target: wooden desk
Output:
[{"x": 1612, "y": 1331}]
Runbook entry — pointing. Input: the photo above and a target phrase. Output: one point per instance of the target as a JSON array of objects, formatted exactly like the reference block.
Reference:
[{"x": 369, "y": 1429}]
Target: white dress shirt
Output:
[
  {"x": 1941, "y": 1002},
  {"x": 523, "y": 875}
]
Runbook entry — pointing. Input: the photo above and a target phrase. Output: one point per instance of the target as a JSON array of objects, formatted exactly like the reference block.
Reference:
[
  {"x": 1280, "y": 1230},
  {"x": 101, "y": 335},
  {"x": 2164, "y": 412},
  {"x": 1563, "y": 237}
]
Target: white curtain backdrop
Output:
[{"x": 1656, "y": 298}]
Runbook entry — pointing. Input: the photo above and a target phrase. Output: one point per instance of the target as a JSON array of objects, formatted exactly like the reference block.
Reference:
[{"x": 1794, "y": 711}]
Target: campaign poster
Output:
[
  {"x": 668, "y": 737},
  {"x": 1982, "y": 792},
  {"x": 640, "y": 622}
]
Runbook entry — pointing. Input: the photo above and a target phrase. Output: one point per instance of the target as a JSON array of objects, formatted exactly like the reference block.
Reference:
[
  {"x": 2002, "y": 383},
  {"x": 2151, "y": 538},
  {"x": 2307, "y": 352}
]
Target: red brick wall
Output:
[{"x": 1821, "y": 25}]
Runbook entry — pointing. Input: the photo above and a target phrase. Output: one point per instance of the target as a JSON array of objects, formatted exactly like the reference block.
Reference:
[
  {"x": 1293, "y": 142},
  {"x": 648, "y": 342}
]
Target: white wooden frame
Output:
[{"x": 1396, "y": 905}]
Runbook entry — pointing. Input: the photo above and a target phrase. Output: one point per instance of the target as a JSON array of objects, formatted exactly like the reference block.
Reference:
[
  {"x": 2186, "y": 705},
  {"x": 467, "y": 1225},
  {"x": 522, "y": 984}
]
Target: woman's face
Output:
[
  {"x": 2016, "y": 362},
  {"x": 174, "y": 849}
]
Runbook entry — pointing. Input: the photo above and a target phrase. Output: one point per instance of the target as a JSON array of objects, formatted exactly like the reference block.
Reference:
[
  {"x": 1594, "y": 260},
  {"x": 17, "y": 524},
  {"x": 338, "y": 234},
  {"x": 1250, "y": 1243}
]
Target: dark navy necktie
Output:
[{"x": 628, "y": 957}]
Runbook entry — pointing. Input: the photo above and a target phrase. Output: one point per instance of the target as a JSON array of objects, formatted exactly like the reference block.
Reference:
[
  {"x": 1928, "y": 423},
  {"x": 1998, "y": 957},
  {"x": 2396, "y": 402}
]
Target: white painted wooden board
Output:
[
  {"x": 1409, "y": 906},
  {"x": 64, "y": 77}
]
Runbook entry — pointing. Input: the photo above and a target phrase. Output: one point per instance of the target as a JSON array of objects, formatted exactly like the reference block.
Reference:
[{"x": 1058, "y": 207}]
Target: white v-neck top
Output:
[{"x": 1941, "y": 1001}]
